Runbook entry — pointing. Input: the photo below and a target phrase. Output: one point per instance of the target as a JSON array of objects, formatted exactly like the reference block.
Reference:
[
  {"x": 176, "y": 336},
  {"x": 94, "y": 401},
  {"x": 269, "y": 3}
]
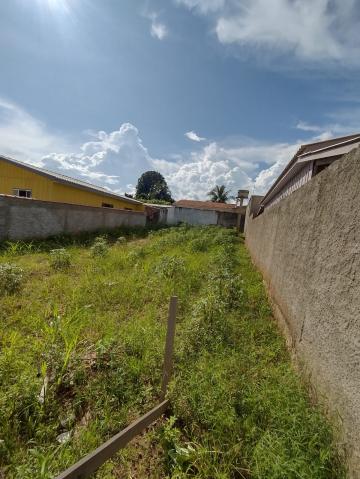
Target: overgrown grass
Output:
[
  {"x": 81, "y": 356},
  {"x": 83, "y": 239}
]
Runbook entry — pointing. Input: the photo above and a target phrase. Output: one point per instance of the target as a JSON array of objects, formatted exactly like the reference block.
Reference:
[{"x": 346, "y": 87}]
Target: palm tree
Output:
[{"x": 219, "y": 194}]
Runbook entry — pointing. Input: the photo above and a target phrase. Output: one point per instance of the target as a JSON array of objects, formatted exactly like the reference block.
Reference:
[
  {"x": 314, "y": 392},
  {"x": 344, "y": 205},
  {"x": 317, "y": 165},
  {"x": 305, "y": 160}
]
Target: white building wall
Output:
[{"x": 191, "y": 216}]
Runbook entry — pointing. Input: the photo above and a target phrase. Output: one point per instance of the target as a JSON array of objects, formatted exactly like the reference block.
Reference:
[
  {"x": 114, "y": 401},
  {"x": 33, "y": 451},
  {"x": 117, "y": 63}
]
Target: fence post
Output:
[
  {"x": 169, "y": 346},
  {"x": 90, "y": 463}
]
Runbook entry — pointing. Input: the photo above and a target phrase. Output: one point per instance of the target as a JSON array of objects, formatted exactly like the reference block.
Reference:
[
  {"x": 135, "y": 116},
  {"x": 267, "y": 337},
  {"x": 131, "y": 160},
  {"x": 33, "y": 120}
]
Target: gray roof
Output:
[{"x": 59, "y": 178}]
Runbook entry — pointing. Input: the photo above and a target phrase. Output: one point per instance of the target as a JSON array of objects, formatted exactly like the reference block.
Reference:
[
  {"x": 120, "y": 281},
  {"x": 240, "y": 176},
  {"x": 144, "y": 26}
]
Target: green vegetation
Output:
[
  {"x": 10, "y": 278},
  {"x": 81, "y": 357},
  {"x": 152, "y": 186},
  {"x": 60, "y": 258},
  {"x": 100, "y": 246},
  {"x": 121, "y": 240},
  {"x": 219, "y": 194}
]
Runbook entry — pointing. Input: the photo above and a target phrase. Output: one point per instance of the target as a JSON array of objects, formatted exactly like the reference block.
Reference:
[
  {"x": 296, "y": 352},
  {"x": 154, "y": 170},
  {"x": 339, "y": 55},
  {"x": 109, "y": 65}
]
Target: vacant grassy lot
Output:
[{"x": 82, "y": 337}]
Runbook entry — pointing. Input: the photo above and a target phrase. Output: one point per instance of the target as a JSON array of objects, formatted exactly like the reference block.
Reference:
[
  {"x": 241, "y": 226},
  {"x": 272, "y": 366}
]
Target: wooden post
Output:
[
  {"x": 169, "y": 346},
  {"x": 90, "y": 463}
]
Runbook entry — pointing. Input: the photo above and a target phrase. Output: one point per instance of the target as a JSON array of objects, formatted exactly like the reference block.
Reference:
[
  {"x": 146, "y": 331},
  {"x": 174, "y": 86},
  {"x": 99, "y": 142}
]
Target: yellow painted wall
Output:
[{"x": 43, "y": 188}]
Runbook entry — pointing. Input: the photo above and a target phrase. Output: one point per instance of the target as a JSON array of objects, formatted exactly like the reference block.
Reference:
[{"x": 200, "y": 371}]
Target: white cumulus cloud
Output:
[
  {"x": 116, "y": 159},
  {"x": 158, "y": 29},
  {"x": 236, "y": 167},
  {"x": 194, "y": 177},
  {"x": 309, "y": 30},
  {"x": 303, "y": 125},
  {"x": 203, "y": 6},
  {"x": 191, "y": 135}
]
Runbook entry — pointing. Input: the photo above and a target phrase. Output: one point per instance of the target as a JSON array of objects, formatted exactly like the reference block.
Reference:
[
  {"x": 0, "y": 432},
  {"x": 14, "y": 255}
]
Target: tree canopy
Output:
[
  {"x": 152, "y": 186},
  {"x": 219, "y": 194}
]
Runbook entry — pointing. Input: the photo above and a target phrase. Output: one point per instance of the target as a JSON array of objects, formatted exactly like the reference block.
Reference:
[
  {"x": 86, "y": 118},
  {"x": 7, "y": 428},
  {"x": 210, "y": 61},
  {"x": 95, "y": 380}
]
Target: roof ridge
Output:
[
  {"x": 302, "y": 151},
  {"x": 332, "y": 139},
  {"x": 204, "y": 204},
  {"x": 342, "y": 141}
]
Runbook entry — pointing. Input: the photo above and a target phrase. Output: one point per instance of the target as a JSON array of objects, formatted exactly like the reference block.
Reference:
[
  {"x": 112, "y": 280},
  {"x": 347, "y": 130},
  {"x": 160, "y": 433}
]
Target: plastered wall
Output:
[
  {"x": 308, "y": 249},
  {"x": 193, "y": 216},
  {"x": 22, "y": 218}
]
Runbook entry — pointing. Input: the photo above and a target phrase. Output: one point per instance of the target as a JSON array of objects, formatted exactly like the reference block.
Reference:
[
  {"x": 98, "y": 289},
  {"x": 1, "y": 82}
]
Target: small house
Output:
[{"x": 28, "y": 181}]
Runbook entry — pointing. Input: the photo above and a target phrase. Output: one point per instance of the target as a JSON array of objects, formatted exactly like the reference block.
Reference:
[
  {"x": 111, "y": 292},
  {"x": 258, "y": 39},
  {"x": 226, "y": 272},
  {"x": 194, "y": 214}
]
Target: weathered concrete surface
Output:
[
  {"x": 192, "y": 216},
  {"x": 22, "y": 218},
  {"x": 254, "y": 205},
  {"x": 157, "y": 214},
  {"x": 308, "y": 249},
  {"x": 197, "y": 216}
]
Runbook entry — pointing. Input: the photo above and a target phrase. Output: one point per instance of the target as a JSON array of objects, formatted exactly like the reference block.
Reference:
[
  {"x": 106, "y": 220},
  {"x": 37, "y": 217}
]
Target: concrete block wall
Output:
[
  {"x": 192, "y": 216},
  {"x": 308, "y": 248},
  {"x": 22, "y": 218}
]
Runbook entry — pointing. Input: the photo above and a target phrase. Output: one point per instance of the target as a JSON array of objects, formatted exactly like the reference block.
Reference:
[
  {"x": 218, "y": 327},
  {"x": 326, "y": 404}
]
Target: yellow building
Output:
[{"x": 28, "y": 181}]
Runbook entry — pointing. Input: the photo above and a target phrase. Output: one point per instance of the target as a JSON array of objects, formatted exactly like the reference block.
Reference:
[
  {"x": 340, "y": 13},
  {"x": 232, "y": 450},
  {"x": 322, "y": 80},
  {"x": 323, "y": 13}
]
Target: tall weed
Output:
[{"x": 11, "y": 278}]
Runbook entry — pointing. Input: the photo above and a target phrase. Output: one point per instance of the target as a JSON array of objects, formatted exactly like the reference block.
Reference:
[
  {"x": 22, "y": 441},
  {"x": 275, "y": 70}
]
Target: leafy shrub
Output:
[
  {"x": 170, "y": 266},
  {"x": 11, "y": 277},
  {"x": 60, "y": 259},
  {"x": 179, "y": 456},
  {"x": 100, "y": 247}
]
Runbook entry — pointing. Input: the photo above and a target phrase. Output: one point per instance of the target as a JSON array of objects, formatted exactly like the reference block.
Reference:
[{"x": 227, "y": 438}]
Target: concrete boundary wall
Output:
[
  {"x": 201, "y": 216},
  {"x": 22, "y": 218},
  {"x": 192, "y": 216},
  {"x": 308, "y": 248}
]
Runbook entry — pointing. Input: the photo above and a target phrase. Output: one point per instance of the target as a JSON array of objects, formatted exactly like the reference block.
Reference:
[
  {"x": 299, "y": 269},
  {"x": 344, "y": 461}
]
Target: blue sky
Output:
[{"x": 205, "y": 91}]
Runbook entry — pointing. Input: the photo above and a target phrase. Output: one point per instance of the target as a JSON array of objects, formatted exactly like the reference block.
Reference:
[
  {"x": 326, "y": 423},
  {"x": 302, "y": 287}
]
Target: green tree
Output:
[
  {"x": 152, "y": 186},
  {"x": 219, "y": 194}
]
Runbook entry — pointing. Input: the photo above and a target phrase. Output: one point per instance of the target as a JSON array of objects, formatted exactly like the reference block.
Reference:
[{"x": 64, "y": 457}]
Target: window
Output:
[
  {"x": 107, "y": 205},
  {"x": 22, "y": 193}
]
